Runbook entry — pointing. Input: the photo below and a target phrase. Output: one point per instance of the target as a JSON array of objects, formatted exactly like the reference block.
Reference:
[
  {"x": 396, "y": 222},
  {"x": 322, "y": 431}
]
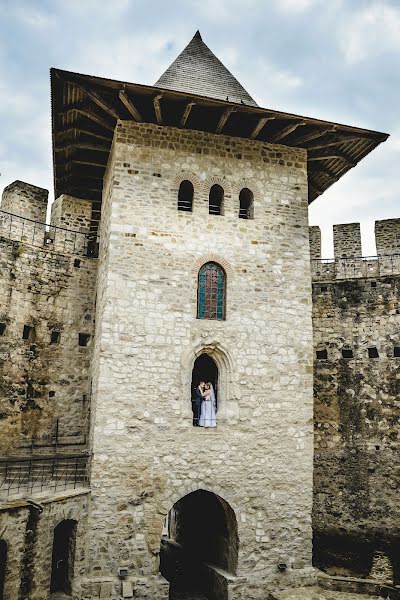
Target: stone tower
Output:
[
  {"x": 177, "y": 252},
  {"x": 242, "y": 491}
]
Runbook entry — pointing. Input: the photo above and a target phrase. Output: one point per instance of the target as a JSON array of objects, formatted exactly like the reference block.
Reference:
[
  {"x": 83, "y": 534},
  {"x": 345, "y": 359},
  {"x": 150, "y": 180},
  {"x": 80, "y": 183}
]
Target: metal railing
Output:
[
  {"x": 355, "y": 267},
  {"x": 40, "y": 473},
  {"x": 36, "y": 233},
  {"x": 215, "y": 209},
  {"x": 185, "y": 204},
  {"x": 53, "y": 439}
]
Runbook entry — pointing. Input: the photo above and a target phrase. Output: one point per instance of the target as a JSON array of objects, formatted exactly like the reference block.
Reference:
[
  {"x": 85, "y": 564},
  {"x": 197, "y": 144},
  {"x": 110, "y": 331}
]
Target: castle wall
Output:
[
  {"x": 147, "y": 455},
  {"x": 29, "y": 536},
  {"x": 349, "y": 262},
  {"x": 387, "y": 235},
  {"x": 356, "y": 469},
  {"x": 25, "y": 200},
  {"x": 42, "y": 380}
]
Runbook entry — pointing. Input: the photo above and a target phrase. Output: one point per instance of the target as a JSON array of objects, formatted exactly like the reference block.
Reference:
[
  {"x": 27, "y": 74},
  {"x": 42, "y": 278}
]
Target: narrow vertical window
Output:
[
  {"x": 216, "y": 200},
  {"x": 185, "y": 196},
  {"x": 211, "y": 292},
  {"x": 246, "y": 204}
]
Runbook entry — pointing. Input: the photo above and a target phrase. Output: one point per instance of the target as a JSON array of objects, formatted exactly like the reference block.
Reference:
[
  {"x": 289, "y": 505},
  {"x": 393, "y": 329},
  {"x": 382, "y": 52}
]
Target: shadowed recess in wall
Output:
[{"x": 200, "y": 544}]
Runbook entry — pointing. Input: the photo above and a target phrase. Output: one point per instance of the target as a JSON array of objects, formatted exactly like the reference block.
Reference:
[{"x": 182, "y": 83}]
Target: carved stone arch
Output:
[
  {"x": 254, "y": 188},
  {"x": 228, "y": 397},
  {"x": 194, "y": 486},
  {"x": 189, "y": 176},
  {"x": 215, "y": 542},
  {"x": 205, "y": 258},
  {"x": 219, "y": 180},
  {"x": 251, "y": 184}
]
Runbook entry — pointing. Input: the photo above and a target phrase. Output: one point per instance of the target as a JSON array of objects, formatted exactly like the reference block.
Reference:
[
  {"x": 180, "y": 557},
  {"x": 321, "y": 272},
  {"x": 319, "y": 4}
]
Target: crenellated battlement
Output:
[
  {"x": 348, "y": 261},
  {"x": 23, "y": 212}
]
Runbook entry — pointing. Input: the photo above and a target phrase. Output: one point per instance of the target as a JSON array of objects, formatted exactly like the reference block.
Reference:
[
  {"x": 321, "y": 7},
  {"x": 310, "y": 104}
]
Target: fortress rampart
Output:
[
  {"x": 46, "y": 330},
  {"x": 356, "y": 329},
  {"x": 46, "y": 320},
  {"x": 348, "y": 261}
]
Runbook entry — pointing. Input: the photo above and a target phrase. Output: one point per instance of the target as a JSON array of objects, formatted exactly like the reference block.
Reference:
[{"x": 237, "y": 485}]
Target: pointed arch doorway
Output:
[
  {"x": 204, "y": 369},
  {"x": 199, "y": 544}
]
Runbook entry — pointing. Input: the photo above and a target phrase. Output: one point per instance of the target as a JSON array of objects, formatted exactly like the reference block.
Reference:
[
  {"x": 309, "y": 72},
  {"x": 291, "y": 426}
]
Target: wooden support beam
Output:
[
  {"x": 79, "y": 178},
  {"x": 261, "y": 122},
  {"x": 312, "y": 135},
  {"x": 325, "y": 171},
  {"x": 72, "y": 144},
  {"x": 315, "y": 187},
  {"x": 186, "y": 113},
  {"x": 88, "y": 163},
  {"x": 99, "y": 100},
  {"x": 286, "y": 131},
  {"x": 333, "y": 156},
  {"x": 86, "y": 189},
  {"x": 86, "y": 112},
  {"x": 78, "y": 130},
  {"x": 123, "y": 96},
  {"x": 339, "y": 140},
  {"x": 223, "y": 119},
  {"x": 157, "y": 108}
]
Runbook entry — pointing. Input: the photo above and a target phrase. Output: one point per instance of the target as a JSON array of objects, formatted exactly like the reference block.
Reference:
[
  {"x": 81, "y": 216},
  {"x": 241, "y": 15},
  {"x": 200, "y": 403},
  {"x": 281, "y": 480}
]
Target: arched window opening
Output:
[
  {"x": 3, "y": 564},
  {"x": 216, "y": 200},
  {"x": 62, "y": 565},
  {"x": 211, "y": 292},
  {"x": 185, "y": 196},
  {"x": 205, "y": 372},
  {"x": 246, "y": 200},
  {"x": 200, "y": 540}
]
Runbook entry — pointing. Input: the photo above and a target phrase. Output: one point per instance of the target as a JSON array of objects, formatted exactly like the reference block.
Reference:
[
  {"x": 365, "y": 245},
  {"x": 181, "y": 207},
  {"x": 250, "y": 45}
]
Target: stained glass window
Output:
[{"x": 211, "y": 292}]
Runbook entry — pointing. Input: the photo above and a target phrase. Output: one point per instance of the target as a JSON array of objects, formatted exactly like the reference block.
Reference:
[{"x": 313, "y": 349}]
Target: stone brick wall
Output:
[
  {"x": 44, "y": 379},
  {"x": 28, "y": 206},
  {"x": 29, "y": 536},
  {"x": 315, "y": 242},
  {"x": 347, "y": 240},
  {"x": 387, "y": 235},
  {"x": 147, "y": 455},
  {"x": 348, "y": 262},
  {"x": 357, "y": 410},
  {"x": 25, "y": 200}
]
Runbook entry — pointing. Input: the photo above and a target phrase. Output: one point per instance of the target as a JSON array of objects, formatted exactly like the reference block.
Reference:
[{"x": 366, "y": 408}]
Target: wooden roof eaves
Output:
[
  {"x": 79, "y": 82},
  {"x": 81, "y": 79}
]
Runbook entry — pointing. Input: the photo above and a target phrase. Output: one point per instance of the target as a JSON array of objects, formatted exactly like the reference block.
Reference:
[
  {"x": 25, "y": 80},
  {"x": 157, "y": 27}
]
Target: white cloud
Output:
[
  {"x": 139, "y": 58},
  {"x": 295, "y": 6},
  {"x": 30, "y": 16},
  {"x": 105, "y": 10},
  {"x": 371, "y": 31},
  {"x": 277, "y": 84},
  {"x": 221, "y": 11}
]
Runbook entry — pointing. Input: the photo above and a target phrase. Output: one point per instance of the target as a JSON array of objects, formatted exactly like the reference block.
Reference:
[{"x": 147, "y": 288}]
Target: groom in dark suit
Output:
[{"x": 197, "y": 399}]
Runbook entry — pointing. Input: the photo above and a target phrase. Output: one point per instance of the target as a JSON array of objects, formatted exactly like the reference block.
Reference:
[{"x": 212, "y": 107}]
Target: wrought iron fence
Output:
[
  {"x": 36, "y": 474},
  {"x": 35, "y": 233},
  {"x": 355, "y": 267}
]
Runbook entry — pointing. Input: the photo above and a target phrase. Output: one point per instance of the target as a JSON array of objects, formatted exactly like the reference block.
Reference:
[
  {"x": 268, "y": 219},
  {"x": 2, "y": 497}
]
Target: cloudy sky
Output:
[{"x": 336, "y": 60}]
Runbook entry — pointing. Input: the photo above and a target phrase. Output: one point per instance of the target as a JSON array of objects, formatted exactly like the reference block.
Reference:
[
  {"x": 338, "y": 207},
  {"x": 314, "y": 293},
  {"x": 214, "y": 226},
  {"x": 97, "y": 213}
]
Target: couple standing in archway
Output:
[{"x": 204, "y": 401}]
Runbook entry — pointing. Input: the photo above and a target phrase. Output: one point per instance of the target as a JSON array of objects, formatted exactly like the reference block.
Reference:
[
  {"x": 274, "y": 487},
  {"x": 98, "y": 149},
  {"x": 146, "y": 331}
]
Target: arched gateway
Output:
[{"x": 200, "y": 542}]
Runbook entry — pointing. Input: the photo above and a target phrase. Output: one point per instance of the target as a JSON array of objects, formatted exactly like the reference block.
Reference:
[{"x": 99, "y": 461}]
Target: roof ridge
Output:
[{"x": 197, "y": 70}]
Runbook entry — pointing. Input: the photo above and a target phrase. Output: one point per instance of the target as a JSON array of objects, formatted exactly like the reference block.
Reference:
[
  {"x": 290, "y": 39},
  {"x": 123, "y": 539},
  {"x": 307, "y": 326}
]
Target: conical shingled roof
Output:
[{"x": 198, "y": 71}]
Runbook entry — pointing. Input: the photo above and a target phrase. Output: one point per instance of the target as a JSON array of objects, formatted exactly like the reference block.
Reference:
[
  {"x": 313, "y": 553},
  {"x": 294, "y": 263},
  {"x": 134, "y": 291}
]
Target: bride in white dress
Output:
[{"x": 208, "y": 416}]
